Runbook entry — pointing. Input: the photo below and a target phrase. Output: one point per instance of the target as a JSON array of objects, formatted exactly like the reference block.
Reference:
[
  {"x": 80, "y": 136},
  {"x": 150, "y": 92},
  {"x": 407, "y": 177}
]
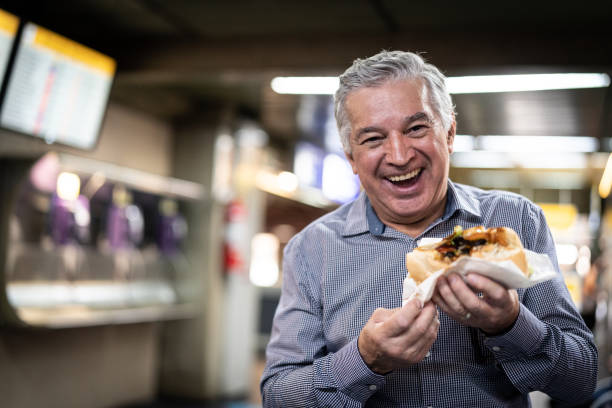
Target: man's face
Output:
[{"x": 400, "y": 151}]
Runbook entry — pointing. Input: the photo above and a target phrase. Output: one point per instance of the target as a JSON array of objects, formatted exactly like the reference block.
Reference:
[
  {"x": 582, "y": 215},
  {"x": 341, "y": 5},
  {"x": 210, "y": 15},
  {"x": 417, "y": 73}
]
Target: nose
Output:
[{"x": 399, "y": 149}]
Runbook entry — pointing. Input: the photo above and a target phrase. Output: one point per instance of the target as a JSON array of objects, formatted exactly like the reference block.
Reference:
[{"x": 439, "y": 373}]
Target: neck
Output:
[{"x": 416, "y": 228}]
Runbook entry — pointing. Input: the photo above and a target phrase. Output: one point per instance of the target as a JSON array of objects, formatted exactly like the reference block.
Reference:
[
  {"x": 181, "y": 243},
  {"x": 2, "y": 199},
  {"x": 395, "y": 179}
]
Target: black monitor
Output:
[{"x": 57, "y": 89}]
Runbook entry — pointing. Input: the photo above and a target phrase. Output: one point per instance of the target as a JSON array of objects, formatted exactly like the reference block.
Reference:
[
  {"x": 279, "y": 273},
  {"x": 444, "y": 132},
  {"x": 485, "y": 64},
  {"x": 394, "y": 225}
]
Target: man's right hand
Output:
[{"x": 396, "y": 338}]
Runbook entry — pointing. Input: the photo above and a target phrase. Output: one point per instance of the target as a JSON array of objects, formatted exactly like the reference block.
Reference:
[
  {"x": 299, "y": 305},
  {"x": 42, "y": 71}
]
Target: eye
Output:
[
  {"x": 416, "y": 130},
  {"x": 371, "y": 139}
]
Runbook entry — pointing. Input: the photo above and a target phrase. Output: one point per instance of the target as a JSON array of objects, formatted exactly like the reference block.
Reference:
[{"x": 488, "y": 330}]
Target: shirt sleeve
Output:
[
  {"x": 549, "y": 348},
  {"x": 300, "y": 371}
]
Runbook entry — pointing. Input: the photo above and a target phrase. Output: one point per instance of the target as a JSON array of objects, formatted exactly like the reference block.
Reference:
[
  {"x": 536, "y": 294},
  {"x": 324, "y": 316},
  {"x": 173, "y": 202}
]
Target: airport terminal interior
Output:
[{"x": 155, "y": 161}]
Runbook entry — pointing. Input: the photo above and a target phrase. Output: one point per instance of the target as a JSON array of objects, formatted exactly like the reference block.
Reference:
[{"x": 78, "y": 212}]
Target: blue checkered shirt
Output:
[{"x": 343, "y": 266}]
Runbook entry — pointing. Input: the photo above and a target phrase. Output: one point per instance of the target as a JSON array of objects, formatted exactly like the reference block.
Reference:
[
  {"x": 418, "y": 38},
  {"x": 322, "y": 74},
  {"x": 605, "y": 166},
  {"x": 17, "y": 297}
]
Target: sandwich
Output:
[{"x": 490, "y": 244}]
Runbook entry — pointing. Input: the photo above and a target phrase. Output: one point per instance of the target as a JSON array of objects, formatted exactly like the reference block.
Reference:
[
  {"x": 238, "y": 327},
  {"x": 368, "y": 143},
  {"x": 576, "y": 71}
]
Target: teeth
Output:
[{"x": 405, "y": 176}]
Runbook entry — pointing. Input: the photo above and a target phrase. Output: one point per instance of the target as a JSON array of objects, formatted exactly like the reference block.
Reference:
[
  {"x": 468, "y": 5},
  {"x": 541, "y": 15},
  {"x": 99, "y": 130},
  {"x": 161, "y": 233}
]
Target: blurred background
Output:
[{"x": 153, "y": 168}]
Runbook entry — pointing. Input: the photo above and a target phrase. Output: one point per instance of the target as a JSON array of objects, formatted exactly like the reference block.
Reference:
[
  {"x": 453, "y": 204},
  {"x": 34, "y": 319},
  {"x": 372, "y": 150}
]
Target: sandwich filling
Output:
[{"x": 456, "y": 245}]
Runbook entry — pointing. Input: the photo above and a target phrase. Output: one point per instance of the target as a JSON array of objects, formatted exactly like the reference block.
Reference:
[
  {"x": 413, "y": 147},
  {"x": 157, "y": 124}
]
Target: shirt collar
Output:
[
  {"x": 362, "y": 218},
  {"x": 457, "y": 199},
  {"x": 356, "y": 220}
]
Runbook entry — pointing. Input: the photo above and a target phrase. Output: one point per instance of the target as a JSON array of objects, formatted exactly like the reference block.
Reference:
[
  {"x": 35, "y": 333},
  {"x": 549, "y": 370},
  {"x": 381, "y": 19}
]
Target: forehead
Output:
[{"x": 403, "y": 97}]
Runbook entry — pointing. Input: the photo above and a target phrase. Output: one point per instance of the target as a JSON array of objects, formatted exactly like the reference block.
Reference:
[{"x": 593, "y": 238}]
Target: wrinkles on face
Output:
[{"x": 400, "y": 151}]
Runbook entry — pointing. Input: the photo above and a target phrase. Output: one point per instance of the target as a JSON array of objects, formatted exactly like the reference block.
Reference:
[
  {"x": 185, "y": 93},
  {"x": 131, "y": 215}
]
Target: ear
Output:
[
  {"x": 450, "y": 135},
  {"x": 351, "y": 160}
]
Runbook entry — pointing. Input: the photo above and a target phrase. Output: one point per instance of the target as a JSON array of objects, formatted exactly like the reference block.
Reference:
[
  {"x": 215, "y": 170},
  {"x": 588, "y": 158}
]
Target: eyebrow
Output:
[
  {"x": 407, "y": 121},
  {"x": 416, "y": 117}
]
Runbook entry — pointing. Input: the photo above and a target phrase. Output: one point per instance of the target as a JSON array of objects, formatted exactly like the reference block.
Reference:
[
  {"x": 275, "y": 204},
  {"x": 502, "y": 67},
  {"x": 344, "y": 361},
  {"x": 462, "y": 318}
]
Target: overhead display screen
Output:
[
  {"x": 58, "y": 89},
  {"x": 8, "y": 29}
]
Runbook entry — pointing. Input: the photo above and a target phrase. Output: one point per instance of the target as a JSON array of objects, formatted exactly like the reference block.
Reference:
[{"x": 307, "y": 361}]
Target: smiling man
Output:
[{"x": 340, "y": 336}]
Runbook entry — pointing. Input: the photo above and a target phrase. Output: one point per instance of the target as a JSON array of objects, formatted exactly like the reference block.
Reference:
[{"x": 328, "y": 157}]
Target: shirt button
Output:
[
  {"x": 428, "y": 354},
  {"x": 496, "y": 348},
  {"x": 373, "y": 387}
]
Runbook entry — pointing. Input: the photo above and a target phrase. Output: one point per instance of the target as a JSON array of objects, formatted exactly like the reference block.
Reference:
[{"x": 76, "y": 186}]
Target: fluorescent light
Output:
[
  {"x": 305, "y": 85},
  {"x": 553, "y": 160},
  {"x": 541, "y": 144},
  {"x": 531, "y": 160},
  {"x": 459, "y": 85},
  {"x": 481, "y": 160},
  {"x": 463, "y": 143},
  {"x": 529, "y": 82}
]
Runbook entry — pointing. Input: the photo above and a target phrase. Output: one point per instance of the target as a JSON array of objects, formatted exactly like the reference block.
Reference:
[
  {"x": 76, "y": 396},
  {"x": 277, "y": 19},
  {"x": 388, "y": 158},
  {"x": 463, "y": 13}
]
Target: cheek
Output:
[{"x": 364, "y": 160}]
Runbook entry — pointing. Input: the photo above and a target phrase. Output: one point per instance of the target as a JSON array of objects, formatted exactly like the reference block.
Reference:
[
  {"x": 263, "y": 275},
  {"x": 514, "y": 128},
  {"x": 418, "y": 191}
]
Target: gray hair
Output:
[{"x": 387, "y": 66}]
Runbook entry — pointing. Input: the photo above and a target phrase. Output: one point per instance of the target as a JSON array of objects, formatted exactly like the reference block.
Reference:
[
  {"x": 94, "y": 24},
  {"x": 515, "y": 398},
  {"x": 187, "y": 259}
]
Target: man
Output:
[{"x": 340, "y": 337}]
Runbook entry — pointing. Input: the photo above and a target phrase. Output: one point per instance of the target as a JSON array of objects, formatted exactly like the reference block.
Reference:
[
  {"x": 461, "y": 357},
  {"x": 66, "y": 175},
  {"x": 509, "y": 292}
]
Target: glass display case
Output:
[{"x": 86, "y": 243}]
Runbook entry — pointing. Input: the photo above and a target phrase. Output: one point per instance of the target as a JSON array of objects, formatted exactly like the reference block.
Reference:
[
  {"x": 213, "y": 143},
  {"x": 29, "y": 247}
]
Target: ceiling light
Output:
[
  {"x": 540, "y": 144},
  {"x": 530, "y": 160},
  {"x": 553, "y": 160},
  {"x": 305, "y": 85},
  {"x": 481, "y": 160},
  {"x": 463, "y": 143},
  {"x": 529, "y": 82},
  {"x": 458, "y": 85}
]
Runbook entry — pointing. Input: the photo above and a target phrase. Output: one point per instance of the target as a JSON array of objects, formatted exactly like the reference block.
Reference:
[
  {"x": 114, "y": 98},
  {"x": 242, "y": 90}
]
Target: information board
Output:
[
  {"x": 58, "y": 89},
  {"x": 8, "y": 30}
]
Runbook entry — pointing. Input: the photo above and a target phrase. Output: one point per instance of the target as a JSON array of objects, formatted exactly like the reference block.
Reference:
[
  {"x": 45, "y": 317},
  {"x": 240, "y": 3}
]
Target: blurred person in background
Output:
[{"x": 340, "y": 337}]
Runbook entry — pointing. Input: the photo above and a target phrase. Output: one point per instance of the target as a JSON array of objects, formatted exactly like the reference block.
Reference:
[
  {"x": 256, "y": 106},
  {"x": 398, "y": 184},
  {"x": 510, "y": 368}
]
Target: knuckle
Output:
[
  {"x": 421, "y": 328},
  {"x": 402, "y": 322}
]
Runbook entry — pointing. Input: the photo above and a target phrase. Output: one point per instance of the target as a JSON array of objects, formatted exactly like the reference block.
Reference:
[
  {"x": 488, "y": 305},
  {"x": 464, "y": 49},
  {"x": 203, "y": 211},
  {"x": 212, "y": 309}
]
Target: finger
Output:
[
  {"x": 447, "y": 292},
  {"x": 437, "y": 299},
  {"x": 450, "y": 312},
  {"x": 422, "y": 323},
  {"x": 470, "y": 301},
  {"x": 423, "y": 343},
  {"x": 492, "y": 291},
  {"x": 401, "y": 320}
]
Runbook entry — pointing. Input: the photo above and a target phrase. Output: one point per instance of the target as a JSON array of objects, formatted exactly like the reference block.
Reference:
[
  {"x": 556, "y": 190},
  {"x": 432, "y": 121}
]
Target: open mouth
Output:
[{"x": 406, "y": 180}]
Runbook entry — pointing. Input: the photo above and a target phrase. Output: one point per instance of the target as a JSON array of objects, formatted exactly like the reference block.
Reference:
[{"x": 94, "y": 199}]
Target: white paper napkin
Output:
[{"x": 506, "y": 273}]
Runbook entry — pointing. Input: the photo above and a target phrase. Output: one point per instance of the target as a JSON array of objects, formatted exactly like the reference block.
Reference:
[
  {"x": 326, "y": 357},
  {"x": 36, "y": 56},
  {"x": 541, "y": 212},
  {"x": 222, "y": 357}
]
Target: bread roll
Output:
[{"x": 492, "y": 244}]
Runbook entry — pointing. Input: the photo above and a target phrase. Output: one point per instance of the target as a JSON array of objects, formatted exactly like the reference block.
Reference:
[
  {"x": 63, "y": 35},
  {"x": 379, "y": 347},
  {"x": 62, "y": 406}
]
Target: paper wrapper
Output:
[{"x": 506, "y": 273}]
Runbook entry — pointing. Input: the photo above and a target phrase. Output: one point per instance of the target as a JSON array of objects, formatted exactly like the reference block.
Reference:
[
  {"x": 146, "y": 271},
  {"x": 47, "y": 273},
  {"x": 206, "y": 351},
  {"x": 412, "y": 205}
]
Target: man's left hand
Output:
[{"x": 477, "y": 302}]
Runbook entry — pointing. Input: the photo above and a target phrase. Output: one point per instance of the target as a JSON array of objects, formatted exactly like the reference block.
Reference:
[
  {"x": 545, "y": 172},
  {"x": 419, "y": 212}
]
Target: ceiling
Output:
[{"x": 179, "y": 58}]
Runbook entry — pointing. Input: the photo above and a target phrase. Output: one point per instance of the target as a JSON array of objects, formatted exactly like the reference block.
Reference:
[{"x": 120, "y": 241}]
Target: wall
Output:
[
  {"x": 85, "y": 367},
  {"x": 191, "y": 364},
  {"x": 96, "y": 366},
  {"x": 127, "y": 138}
]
